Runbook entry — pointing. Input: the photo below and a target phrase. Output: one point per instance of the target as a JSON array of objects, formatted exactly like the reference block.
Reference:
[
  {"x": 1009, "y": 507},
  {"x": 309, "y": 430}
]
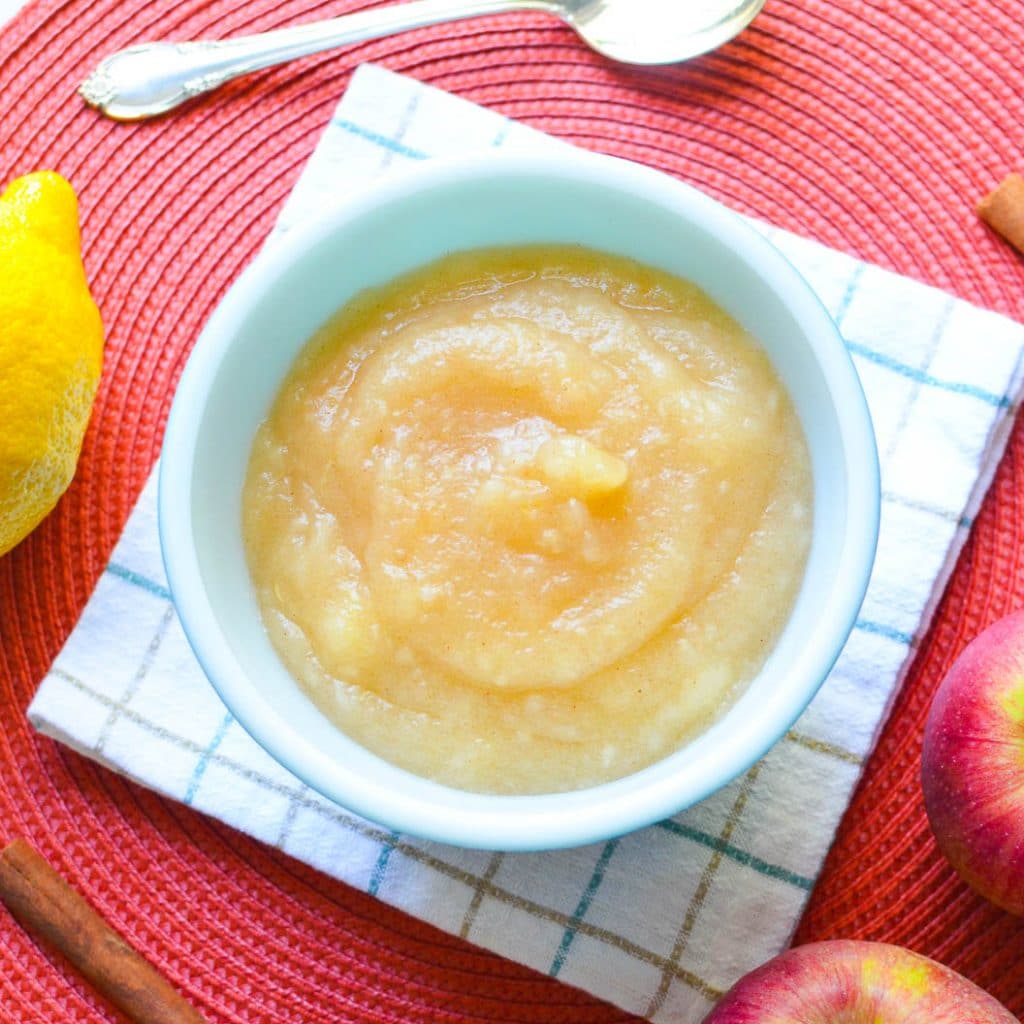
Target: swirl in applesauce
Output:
[{"x": 528, "y": 519}]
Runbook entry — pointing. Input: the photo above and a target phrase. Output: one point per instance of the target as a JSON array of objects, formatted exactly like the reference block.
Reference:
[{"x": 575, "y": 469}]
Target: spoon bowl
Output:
[
  {"x": 152, "y": 78},
  {"x": 658, "y": 31}
]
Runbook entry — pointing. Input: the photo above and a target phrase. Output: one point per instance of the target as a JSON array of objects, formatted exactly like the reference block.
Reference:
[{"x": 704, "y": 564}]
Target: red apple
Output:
[
  {"x": 972, "y": 767},
  {"x": 847, "y": 982}
]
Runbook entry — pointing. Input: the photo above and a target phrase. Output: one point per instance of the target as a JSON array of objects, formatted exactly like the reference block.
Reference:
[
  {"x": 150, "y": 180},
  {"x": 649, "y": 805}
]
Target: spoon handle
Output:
[{"x": 152, "y": 78}]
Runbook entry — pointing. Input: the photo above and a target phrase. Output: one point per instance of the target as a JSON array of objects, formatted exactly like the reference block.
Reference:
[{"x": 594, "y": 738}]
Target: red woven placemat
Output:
[{"x": 871, "y": 125}]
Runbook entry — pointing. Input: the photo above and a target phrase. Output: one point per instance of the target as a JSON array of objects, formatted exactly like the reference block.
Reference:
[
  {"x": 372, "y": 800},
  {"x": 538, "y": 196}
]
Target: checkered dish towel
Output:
[{"x": 657, "y": 922}]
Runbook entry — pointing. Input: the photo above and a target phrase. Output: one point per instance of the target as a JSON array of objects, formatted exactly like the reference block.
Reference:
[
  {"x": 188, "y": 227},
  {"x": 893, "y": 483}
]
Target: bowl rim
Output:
[{"x": 501, "y": 822}]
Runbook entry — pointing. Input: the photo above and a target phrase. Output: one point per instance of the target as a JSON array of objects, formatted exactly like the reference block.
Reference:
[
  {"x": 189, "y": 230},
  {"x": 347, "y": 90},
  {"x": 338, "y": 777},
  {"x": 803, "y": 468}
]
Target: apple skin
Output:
[
  {"x": 972, "y": 765},
  {"x": 856, "y": 983}
]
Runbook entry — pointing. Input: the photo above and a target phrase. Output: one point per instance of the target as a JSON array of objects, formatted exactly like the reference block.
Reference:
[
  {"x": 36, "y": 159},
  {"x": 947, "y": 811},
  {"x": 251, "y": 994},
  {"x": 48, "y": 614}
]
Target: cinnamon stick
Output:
[
  {"x": 1003, "y": 210},
  {"x": 47, "y": 907}
]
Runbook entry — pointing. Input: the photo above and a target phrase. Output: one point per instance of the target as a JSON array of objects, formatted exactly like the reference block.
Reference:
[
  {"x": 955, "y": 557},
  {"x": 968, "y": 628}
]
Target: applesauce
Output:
[{"x": 528, "y": 519}]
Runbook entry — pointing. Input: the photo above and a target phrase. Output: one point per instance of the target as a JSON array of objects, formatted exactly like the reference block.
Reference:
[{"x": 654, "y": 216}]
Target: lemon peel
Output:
[{"x": 51, "y": 350}]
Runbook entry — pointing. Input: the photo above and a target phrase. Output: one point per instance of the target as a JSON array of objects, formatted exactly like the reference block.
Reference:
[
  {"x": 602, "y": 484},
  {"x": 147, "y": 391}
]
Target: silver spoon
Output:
[{"x": 152, "y": 78}]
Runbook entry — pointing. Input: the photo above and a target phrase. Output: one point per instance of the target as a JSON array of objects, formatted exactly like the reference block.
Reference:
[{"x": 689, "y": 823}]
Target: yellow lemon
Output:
[{"x": 51, "y": 350}]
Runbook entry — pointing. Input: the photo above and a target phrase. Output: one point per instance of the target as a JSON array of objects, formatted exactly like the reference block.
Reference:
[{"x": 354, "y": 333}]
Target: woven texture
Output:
[
  {"x": 871, "y": 127},
  {"x": 656, "y": 922}
]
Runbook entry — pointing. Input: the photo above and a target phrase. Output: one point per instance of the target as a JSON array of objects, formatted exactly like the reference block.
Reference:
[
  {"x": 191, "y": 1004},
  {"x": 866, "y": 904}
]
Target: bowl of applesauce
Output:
[{"x": 519, "y": 502}]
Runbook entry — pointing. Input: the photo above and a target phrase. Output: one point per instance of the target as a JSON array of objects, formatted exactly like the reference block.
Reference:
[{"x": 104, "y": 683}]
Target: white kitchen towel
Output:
[{"x": 664, "y": 920}]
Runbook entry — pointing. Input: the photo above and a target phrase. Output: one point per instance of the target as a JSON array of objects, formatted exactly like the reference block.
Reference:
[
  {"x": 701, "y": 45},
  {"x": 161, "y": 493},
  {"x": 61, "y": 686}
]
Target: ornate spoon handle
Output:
[{"x": 152, "y": 78}]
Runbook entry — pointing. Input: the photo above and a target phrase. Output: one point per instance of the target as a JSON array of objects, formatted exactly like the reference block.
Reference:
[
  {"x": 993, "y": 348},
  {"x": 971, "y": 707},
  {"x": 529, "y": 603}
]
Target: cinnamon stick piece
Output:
[
  {"x": 47, "y": 907},
  {"x": 1003, "y": 210}
]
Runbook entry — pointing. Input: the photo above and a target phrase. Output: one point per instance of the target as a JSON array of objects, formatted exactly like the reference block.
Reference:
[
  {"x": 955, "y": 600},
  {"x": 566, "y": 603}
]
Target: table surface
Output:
[{"x": 870, "y": 125}]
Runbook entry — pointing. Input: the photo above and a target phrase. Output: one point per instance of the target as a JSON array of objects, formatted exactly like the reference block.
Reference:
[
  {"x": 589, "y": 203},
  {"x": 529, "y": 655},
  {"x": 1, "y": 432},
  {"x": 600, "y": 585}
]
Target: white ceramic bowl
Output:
[{"x": 256, "y": 332}]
